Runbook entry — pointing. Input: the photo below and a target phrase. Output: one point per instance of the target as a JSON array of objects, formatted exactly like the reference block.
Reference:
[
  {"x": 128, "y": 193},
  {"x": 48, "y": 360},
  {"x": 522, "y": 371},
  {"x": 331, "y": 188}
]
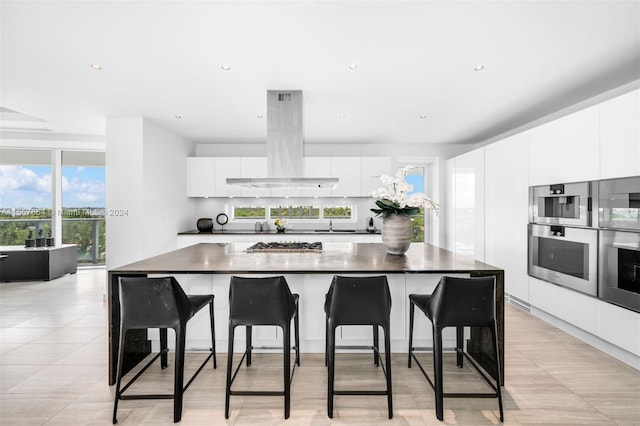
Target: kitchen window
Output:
[{"x": 301, "y": 213}]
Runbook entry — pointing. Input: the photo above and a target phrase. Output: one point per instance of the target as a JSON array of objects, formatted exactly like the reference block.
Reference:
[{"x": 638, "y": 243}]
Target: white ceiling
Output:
[{"x": 162, "y": 59}]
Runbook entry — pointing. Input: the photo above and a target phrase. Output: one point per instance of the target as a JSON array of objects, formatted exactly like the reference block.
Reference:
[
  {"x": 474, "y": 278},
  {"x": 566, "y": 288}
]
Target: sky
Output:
[{"x": 30, "y": 186}]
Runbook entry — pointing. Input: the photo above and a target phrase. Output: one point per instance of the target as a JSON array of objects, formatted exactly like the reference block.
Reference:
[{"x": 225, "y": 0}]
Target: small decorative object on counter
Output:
[
  {"x": 30, "y": 241},
  {"x": 281, "y": 225},
  {"x": 205, "y": 224},
  {"x": 40, "y": 241},
  {"x": 50, "y": 242},
  {"x": 371, "y": 228},
  {"x": 257, "y": 227},
  {"x": 396, "y": 206},
  {"x": 222, "y": 220}
]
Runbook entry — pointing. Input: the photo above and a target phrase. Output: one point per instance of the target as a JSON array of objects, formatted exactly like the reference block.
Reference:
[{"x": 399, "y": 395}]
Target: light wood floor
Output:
[{"x": 53, "y": 370}]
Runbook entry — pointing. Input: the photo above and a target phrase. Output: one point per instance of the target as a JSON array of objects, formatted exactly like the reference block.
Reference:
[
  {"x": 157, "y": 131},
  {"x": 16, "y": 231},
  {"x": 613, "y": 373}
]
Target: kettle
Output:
[{"x": 371, "y": 228}]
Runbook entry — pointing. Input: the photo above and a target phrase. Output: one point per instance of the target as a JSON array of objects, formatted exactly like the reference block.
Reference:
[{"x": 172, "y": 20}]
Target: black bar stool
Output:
[
  {"x": 160, "y": 303},
  {"x": 262, "y": 301},
  {"x": 457, "y": 302},
  {"x": 358, "y": 301}
]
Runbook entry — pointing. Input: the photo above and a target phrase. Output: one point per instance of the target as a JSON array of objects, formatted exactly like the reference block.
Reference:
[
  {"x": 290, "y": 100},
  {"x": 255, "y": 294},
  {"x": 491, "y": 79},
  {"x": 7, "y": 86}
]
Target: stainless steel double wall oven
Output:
[
  {"x": 586, "y": 236},
  {"x": 619, "y": 222}
]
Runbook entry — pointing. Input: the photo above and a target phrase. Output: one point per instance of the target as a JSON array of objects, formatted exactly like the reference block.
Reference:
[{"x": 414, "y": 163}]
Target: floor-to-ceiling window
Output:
[
  {"x": 26, "y": 209},
  {"x": 29, "y": 207},
  {"x": 83, "y": 204}
]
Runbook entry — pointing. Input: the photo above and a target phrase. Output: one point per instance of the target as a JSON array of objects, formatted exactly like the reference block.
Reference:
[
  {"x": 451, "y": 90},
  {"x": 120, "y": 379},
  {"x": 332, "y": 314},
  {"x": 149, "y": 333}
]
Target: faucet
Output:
[{"x": 330, "y": 225}]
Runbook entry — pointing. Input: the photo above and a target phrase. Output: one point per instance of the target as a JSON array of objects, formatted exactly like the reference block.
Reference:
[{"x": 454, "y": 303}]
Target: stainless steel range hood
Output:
[{"x": 284, "y": 146}]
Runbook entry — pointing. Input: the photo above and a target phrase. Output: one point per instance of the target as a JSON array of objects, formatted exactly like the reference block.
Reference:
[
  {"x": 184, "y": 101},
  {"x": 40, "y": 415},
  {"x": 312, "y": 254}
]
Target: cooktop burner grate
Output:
[{"x": 286, "y": 247}]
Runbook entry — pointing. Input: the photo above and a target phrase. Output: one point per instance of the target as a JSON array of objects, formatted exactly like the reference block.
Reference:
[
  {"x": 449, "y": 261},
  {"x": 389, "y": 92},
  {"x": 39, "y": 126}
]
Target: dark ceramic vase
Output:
[{"x": 205, "y": 224}]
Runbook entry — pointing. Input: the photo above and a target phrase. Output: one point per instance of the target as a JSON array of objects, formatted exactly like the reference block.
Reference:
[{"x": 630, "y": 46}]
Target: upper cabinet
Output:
[
  {"x": 566, "y": 150},
  {"x": 347, "y": 170},
  {"x": 201, "y": 176},
  {"x": 620, "y": 136},
  {"x": 315, "y": 167},
  {"x": 358, "y": 176},
  {"x": 371, "y": 170},
  {"x": 253, "y": 167},
  {"x": 227, "y": 167}
]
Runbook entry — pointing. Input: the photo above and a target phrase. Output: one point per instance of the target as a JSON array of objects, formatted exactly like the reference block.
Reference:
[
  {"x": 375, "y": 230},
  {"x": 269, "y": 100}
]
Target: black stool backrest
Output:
[
  {"x": 359, "y": 300},
  {"x": 152, "y": 302},
  {"x": 463, "y": 302},
  {"x": 260, "y": 301}
]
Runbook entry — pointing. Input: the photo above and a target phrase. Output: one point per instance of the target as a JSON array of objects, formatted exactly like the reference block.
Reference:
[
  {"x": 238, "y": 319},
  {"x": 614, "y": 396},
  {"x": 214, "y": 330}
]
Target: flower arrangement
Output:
[
  {"x": 280, "y": 224},
  {"x": 395, "y": 200}
]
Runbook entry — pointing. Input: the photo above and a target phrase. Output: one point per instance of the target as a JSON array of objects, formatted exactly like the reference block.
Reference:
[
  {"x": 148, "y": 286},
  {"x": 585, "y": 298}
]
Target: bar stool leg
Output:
[
  {"x": 459, "y": 346},
  {"x": 331, "y": 350},
  {"x": 376, "y": 345},
  {"x": 178, "y": 386},
  {"x": 437, "y": 367},
  {"x": 496, "y": 356},
  {"x": 411, "y": 315},
  {"x": 249, "y": 330},
  {"x": 387, "y": 356},
  {"x": 119, "y": 374},
  {"x": 213, "y": 335},
  {"x": 296, "y": 331},
  {"x": 229, "y": 370},
  {"x": 164, "y": 356},
  {"x": 286, "y": 347}
]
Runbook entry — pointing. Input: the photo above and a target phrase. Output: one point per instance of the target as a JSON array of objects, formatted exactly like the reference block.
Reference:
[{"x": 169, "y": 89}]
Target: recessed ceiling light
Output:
[
  {"x": 341, "y": 116},
  {"x": 96, "y": 67},
  {"x": 353, "y": 66},
  {"x": 225, "y": 67},
  {"x": 478, "y": 67},
  {"x": 177, "y": 116},
  {"x": 260, "y": 116},
  {"x": 423, "y": 116}
]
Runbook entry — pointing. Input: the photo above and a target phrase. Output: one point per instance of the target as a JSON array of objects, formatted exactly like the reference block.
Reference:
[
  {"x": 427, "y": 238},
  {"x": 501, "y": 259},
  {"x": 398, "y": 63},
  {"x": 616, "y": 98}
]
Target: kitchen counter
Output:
[
  {"x": 225, "y": 258},
  {"x": 287, "y": 232},
  {"x": 206, "y": 267}
]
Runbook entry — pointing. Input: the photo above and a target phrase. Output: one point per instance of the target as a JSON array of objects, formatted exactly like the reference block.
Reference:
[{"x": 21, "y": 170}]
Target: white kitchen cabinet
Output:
[
  {"x": 506, "y": 211},
  {"x": 201, "y": 173},
  {"x": 566, "y": 149},
  {"x": 465, "y": 221},
  {"x": 575, "y": 308},
  {"x": 253, "y": 167},
  {"x": 620, "y": 136},
  {"x": 316, "y": 167},
  {"x": 227, "y": 167},
  {"x": 620, "y": 326},
  {"x": 347, "y": 170},
  {"x": 371, "y": 168}
]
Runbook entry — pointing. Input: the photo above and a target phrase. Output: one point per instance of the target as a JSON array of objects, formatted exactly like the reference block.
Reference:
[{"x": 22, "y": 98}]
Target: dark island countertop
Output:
[{"x": 225, "y": 258}]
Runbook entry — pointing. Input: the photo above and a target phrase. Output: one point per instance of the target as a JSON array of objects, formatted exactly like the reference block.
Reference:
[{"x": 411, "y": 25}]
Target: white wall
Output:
[{"x": 145, "y": 189}]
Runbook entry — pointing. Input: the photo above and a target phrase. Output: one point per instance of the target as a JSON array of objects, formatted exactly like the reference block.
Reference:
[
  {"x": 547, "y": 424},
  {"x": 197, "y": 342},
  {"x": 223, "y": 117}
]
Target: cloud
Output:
[
  {"x": 22, "y": 186},
  {"x": 19, "y": 178}
]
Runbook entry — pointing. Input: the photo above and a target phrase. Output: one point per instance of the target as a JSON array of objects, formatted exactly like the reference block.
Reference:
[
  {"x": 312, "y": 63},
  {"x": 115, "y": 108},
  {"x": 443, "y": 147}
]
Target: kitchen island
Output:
[{"x": 206, "y": 268}]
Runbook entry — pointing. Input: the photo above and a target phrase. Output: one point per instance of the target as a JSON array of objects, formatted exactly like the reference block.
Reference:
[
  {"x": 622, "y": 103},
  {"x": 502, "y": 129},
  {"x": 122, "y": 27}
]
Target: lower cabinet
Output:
[{"x": 613, "y": 324}]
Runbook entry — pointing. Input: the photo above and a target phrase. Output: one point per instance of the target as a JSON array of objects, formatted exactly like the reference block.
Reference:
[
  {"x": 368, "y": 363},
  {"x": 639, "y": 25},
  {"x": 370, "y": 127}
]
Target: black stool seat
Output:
[
  {"x": 262, "y": 301},
  {"x": 159, "y": 303},
  {"x": 457, "y": 302},
  {"x": 358, "y": 301}
]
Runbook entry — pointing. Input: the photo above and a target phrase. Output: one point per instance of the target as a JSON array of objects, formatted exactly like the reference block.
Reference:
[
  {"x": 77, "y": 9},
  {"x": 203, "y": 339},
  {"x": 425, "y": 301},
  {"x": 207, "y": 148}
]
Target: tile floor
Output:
[{"x": 53, "y": 370}]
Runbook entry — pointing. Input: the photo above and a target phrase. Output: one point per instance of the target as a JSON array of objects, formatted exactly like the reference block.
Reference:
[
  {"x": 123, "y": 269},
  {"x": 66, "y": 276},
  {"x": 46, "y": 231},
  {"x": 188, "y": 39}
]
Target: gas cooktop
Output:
[{"x": 286, "y": 247}]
